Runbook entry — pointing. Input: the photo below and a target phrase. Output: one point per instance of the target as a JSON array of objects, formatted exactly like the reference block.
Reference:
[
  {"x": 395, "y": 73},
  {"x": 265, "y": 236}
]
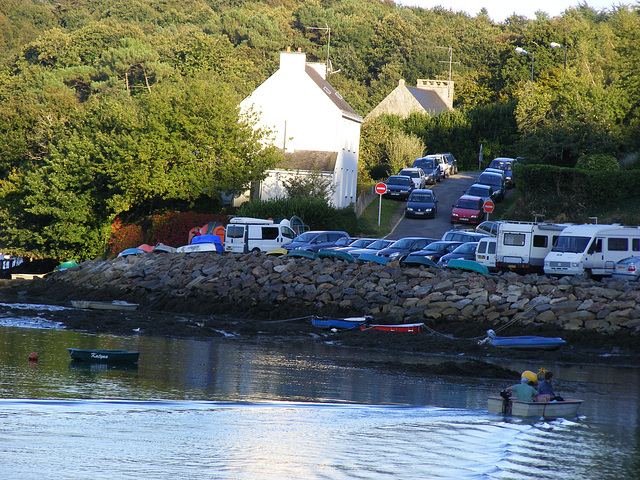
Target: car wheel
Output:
[{"x": 255, "y": 251}]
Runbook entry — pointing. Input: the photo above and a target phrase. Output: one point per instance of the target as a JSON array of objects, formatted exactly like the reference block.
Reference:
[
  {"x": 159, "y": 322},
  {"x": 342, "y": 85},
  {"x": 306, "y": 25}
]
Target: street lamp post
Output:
[
  {"x": 557, "y": 45},
  {"x": 522, "y": 50}
]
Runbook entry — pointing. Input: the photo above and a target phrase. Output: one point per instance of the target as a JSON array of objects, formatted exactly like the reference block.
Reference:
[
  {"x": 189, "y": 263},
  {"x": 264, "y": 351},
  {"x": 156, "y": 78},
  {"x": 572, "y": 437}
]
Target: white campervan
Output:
[
  {"x": 592, "y": 249},
  {"x": 524, "y": 245},
  {"x": 486, "y": 252},
  {"x": 246, "y": 234}
]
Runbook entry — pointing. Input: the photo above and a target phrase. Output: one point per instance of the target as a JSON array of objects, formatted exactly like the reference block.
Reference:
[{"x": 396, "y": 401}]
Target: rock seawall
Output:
[{"x": 267, "y": 287}]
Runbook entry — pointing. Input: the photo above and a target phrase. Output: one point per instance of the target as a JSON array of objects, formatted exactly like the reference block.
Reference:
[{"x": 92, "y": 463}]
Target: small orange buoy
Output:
[{"x": 33, "y": 356}]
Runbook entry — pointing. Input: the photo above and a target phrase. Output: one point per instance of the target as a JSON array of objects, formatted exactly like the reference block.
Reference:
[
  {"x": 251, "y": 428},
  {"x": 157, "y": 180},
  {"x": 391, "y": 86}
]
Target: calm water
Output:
[{"x": 228, "y": 409}]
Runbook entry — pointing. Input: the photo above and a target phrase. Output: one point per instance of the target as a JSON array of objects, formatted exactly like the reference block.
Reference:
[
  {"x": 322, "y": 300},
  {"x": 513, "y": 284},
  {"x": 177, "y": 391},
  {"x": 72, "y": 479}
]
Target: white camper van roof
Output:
[{"x": 250, "y": 220}]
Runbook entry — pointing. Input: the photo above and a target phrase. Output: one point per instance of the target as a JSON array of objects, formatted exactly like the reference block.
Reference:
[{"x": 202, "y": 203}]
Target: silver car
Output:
[{"x": 627, "y": 269}]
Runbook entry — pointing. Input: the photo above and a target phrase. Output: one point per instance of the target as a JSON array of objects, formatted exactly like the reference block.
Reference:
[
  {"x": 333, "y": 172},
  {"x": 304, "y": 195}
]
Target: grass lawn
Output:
[{"x": 368, "y": 221}]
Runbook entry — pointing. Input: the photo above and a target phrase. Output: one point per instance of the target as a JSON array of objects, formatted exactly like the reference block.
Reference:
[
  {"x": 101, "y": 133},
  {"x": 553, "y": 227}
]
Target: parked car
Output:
[
  {"x": 341, "y": 243},
  {"x": 466, "y": 251},
  {"x": 494, "y": 180},
  {"x": 627, "y": 269},
  {"x": 489, "y": 227},
  {"x": 403, "y": 247},
  {"x": 483, "y": 191},
  {"x": 440, "y": 161},
  {"x": 506, "y": 164},
  {"x": 467, "y": 210},
  {"x": 416, "y": 174},
  {"x": 357, "y": 244},
  {"x": 431, "y": 169},
  {"x": 435, "y": 250},
  {"x": 452, "y": 162},
  {"x": 422, "y": 204},
  {"x": 399, "y": 186},
  {"x": 374, "y": 247},
  {"x": 314, "y": 240},
  {"x": 463, "y": 236}
]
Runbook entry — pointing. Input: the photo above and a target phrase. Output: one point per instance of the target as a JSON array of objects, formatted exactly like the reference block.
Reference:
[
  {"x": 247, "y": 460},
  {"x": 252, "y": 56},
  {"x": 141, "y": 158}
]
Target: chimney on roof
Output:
[{"x": 288, "y": 49}]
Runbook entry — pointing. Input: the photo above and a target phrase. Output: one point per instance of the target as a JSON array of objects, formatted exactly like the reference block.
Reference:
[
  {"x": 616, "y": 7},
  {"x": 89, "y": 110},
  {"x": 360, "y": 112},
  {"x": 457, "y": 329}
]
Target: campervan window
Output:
[
  {"x": 516, "y": 239},
  {"x": 234, "y": 231},
  {"x": 635, "y": 245},
  {"x": 269, "y": 233},
  {"x": 571, "y": 244},
  {"x": 617, "y": 244},
  {"x": 540, "y": 241}
]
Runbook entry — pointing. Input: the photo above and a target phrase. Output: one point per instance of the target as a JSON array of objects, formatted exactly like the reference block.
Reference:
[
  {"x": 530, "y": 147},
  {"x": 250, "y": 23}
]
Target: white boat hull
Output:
[
  {"x": 115, "y": 305},
  {"x": 565, "y": 409}
]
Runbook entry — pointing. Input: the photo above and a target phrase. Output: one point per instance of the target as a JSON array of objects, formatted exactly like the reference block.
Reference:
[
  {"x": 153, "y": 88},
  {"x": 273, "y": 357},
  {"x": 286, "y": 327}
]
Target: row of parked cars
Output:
[
  {"x": 410, "y": 183},
  {"x": 556, "y": 249},
  {"x": 492, "y": 184}
]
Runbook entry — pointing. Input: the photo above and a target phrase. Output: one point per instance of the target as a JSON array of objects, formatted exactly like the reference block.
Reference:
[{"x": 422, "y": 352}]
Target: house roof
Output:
[
  {"x": 310, "y": 160},
  {"x": 405, "y": 100},
  {"x": 346, "y": 109}
]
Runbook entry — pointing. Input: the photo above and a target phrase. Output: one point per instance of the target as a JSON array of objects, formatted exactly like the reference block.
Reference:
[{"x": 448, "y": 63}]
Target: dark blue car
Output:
[
  {"x": 421, "y": 203},
  {"x": 466, "y": 251},
  {"x": 315, "y": 240},
  {"x": 399, "y": 186},
  {"x": 403, "y": 247}
]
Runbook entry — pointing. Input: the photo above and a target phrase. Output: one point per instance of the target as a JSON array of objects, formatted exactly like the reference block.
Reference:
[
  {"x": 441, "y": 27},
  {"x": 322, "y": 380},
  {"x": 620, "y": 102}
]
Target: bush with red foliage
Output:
[{"x": 170, "y": 228}]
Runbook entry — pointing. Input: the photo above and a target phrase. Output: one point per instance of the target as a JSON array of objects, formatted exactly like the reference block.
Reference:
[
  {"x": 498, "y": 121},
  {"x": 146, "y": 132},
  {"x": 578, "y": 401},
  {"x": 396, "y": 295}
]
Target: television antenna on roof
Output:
[{"x": 327, "y": 29}]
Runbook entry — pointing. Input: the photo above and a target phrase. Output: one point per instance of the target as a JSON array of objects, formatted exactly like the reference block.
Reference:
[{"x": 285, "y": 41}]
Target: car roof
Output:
[{"x": 469, "y": 197}]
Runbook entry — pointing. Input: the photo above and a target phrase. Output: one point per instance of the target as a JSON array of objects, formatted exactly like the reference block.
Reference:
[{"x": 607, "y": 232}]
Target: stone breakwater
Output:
[{"x": 282, "y": 287}]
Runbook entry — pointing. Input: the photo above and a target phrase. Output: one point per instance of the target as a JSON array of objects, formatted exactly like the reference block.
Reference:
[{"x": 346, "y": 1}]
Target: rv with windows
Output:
[
  {"x": 246, "y": 234},
  {"x": 592, "y": 249},
  {"x": 523, "y": 246}
]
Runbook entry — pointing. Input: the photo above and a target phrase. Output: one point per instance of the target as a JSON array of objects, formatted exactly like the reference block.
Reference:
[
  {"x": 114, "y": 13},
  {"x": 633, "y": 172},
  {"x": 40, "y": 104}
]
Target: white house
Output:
[{"x": 314, "y": 126}]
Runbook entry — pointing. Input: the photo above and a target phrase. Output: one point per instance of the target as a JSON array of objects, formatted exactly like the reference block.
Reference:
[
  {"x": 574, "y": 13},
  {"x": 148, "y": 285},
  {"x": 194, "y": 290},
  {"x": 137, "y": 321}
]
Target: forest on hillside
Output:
[{"x": 124, "y": 108}]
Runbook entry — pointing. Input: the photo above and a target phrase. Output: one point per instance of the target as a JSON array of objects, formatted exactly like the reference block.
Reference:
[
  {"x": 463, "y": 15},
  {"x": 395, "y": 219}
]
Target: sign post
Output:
[
  {"x": 488, "y": 206},
  {"x": 381, "y": 189}
]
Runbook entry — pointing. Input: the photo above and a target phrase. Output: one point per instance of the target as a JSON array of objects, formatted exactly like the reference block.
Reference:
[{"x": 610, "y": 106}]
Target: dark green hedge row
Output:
[{"x": 586, "y": 188}]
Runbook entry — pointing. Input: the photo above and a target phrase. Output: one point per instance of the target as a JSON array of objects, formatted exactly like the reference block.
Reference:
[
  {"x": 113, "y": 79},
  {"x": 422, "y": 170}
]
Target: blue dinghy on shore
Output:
[
  {"x": 523, "y": 342},
  {"x": 349, "y": 323}
]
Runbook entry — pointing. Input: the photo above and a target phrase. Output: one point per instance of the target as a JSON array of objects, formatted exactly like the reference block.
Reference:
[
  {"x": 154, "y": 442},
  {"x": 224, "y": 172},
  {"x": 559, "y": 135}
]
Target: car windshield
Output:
[
  {"x": 468, "y": 204},
  {"x": 379, "y": 244},
  {"x": 425, "y": 164},
  {"x": 571, "y": 244},
  {"x": 421, "y": 197},
  {"x": 342, "y": 242},
  {"x": 403, "y": 243},
  {"x": 305, "y": 237},
  {"x": 435, "y": 247},
  {"x": 412, "y": 174},
  {"x": 490, "y": 179},
  {"x": 466, "y": 248},
  {"x": 478, "y": 192},
  {"x": 362, "y": 243},
  {"x": 399, "y": 181}
]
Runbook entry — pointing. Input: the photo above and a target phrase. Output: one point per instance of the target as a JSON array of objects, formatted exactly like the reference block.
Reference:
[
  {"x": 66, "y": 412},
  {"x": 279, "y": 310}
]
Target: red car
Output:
[{"x": 468, "y": 209}]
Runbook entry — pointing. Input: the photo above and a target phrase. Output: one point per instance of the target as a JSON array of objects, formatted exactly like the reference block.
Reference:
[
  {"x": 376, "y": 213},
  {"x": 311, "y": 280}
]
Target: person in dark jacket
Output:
[{"x": 545, "y": 389}]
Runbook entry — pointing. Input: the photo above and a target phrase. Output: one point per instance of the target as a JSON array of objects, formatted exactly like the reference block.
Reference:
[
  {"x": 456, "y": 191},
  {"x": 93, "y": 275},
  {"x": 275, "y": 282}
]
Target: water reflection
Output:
[{"x": 231, "y": 409}]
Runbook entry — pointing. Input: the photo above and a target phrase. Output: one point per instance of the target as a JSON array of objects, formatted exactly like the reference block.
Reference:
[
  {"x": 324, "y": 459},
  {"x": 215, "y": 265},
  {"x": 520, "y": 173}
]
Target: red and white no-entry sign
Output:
[
  {"x": 381, "y": 188},
  {"x": 489, "y": 206}
]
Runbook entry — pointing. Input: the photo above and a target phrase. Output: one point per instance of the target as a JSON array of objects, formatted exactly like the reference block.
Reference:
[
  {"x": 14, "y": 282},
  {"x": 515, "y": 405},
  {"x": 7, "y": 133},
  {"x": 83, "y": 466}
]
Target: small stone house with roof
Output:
[
  {"x": 428, "y": 96},
  {"x": 314, "y": 126}
]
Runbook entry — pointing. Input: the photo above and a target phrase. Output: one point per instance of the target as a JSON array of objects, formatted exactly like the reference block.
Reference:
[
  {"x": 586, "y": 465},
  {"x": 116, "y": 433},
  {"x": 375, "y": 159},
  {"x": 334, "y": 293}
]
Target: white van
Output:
[
  {"x": 486, "y": 252},
  {"x": 246, "y": 234},
  {"x": 524, "y": 245},
  {"x": 592, "y": 249}
]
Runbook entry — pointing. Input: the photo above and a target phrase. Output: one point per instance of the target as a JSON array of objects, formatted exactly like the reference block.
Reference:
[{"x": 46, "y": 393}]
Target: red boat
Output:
[{"x": 404, "y": 327}]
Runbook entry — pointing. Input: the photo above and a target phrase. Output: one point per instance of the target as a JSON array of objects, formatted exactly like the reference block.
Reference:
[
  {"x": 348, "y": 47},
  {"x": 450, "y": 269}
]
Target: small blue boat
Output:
[
  {"x": 468, "y": 265},
  {"x": 371, "y": 257},
  {"x": 349, "y": 323},
  {"x": 524, "y": 342}
]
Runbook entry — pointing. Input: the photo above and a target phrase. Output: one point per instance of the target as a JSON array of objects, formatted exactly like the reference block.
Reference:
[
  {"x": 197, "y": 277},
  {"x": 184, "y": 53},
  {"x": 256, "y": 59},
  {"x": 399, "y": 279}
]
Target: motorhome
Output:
[
  {"x": 592, "y": 249},
  {"x": 246, "y": 234},
  {"x": 523, "y": 246}
]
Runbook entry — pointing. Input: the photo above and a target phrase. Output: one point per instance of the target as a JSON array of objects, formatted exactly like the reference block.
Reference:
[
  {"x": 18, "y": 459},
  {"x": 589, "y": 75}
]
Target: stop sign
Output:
[
  {"x": 381, "y": 188},
  {"x": 488, "y": 206}
]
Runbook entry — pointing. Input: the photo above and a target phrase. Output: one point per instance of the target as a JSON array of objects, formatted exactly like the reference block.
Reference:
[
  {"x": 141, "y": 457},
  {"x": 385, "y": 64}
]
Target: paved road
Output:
[{"x": 448, "y": 191}]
